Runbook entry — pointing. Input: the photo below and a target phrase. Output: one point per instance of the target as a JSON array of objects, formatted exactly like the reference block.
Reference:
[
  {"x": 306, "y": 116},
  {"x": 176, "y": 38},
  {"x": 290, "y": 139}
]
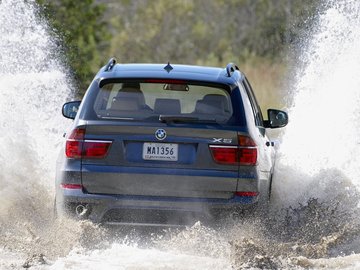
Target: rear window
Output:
[{"x": 163, "y": 100}]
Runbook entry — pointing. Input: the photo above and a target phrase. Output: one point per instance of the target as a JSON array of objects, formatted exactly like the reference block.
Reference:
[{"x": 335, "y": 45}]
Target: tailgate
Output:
[{"x": 139, "y": 163}]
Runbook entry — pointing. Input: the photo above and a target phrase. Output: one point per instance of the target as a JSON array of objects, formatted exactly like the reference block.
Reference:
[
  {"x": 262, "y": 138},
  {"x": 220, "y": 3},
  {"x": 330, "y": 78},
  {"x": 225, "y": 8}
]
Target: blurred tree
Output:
[
  {"x": 279, "y": 24},
  {"x": 210, "y": 32},
  {"x": 85, "y": 35},
  {"x": 206, "y": 32}
]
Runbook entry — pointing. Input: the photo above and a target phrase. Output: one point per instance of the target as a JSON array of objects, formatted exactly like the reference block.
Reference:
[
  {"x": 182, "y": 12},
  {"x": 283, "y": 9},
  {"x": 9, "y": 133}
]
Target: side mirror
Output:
[
  {"x": 277, "y": 119},
  {"x": 70, "y": 109}
]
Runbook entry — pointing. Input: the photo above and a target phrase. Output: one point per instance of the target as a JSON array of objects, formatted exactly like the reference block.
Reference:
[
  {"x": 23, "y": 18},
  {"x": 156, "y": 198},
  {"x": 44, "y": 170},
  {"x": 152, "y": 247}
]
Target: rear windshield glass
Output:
[{"x": 162, "y": 101}]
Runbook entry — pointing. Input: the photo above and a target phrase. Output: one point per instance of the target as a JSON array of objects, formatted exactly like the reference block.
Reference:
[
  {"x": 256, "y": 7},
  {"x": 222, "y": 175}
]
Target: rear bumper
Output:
[{"x": 148, "y": 210}]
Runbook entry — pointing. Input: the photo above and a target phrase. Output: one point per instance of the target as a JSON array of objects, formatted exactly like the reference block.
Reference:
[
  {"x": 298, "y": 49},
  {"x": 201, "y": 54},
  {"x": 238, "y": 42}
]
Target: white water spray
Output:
[
  {"x": 33, "y": 86},
  {"x": 324, "y": 128}
]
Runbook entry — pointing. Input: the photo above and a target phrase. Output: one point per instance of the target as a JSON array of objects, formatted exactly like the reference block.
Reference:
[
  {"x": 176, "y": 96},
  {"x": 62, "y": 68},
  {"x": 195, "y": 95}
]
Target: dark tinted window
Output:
[{"x": 146, "y": 101}]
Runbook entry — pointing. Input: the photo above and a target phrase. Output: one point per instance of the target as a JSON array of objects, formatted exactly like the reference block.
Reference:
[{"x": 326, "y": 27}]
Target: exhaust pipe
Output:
[{"x": 81, "y": 210}]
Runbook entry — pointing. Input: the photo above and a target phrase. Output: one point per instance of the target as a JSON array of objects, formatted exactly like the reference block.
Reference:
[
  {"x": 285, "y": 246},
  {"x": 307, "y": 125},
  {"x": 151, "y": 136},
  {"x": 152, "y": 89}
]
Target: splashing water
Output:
[
  {"x": 323, "y": 133},
  {"x": 315, "y": 215},
  {"x": 33, "y": 87}
]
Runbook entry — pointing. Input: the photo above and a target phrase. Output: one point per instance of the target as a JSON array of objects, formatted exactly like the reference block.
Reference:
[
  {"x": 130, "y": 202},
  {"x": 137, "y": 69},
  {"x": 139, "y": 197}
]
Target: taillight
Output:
[
  {"x": 74, "y": 143},
  {"x": 247, "y": 156},
  {"x": 77, "y": 147},
  {"x": 225, "y": 154},
  {"x": 95, "y": 149},
  {"x": 247, "y": 150},
  {"x": 243, "y": 154}
]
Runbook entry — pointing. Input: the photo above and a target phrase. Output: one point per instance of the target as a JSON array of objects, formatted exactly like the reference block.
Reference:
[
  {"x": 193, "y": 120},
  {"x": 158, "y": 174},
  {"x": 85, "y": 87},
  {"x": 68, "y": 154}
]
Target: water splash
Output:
[
  {"x": 33, "y": 87},
  {"x": 34, "y": 84},
  {"x": 323, "y": 131},
  {"x": 316, "y": 185}
]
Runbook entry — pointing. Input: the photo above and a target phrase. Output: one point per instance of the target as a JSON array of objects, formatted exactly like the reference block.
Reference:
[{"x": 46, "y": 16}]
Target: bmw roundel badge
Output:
[{"x": 160, "y": 134}]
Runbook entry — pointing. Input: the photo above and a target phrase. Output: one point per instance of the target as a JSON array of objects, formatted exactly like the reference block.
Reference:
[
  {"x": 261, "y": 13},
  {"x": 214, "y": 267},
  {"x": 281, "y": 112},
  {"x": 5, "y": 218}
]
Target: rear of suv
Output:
[{"x": 158, "y": 145}]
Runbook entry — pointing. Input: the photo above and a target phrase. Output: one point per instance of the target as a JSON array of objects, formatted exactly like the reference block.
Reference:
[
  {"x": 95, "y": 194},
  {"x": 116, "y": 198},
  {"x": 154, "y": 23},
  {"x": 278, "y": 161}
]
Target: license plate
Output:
[{"x": 160, "y": 151}]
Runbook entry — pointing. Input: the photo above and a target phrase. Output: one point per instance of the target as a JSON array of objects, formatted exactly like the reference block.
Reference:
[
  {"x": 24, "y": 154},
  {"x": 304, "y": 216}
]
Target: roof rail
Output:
[
  {"x": 110, "y": 64},
  {"x": 230, "y": 68}
]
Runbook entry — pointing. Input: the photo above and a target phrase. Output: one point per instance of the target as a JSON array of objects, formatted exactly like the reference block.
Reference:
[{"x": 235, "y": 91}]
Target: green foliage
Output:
[
  {"x": 203, "y": 31},
  {"x": 85, "y": 34},
  {"x": 209, "y": 32}
]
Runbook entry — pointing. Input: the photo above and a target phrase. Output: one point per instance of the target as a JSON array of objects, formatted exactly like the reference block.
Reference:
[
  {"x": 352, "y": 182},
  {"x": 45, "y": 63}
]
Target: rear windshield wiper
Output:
[{"x": 183, "y": 119}]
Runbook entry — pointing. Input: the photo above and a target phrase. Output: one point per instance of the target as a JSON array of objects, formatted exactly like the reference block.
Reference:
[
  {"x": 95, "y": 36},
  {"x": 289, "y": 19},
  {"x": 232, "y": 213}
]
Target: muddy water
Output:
[
  {"x": 34, "y": 84},
  {"x": 314, "y": 219}
]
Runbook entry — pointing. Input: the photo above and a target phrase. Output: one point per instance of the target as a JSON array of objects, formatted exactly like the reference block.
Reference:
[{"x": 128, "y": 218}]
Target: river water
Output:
[{"x": 314, "y": 219}]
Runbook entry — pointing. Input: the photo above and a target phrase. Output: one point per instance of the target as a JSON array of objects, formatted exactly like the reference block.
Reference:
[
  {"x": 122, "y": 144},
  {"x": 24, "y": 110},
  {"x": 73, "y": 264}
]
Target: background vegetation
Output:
[{"x": 255, "y": 34}]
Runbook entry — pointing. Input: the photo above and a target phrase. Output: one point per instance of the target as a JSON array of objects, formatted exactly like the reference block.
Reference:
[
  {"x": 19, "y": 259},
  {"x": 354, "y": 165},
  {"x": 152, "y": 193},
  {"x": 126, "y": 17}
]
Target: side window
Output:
[{"x": 256, "y": 109}]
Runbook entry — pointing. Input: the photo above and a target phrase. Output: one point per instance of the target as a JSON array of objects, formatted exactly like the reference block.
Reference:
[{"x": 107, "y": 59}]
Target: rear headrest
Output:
[
  {"x": 209, "y": 107},
  {"x": 136, "y": 94},
  {"x": 167, "y": 106},
  {"x": 125, "y": 104},
  {"x": 217, "y": 98}
]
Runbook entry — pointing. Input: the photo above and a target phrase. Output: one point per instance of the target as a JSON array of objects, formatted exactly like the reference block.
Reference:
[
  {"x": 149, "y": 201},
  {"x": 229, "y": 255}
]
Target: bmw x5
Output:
[{"x": 164, "y": 144}]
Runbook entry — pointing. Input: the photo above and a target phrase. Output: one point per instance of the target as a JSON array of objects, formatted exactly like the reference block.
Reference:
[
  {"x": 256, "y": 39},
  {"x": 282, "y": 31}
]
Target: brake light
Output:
[
  {"x": 244, "y": 154},
  {"x": 225, "y": 154},
  {"x": 247, "y": 156},
  {"x": 247, "y": 150},
  {"x": 74, "y": 143},
  {"x": 96, "y": 149},
  {"x": 77, "y": 147},
  {"x": 170, "y": 81}
]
